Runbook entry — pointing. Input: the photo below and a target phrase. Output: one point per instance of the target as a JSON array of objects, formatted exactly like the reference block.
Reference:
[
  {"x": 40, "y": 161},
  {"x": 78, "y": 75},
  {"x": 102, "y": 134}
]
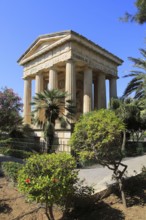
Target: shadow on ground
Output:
[
  {"x": 135, "y": 190},
  {"x": 94, "y": 211},
  {"x": 5, "y": 208}
]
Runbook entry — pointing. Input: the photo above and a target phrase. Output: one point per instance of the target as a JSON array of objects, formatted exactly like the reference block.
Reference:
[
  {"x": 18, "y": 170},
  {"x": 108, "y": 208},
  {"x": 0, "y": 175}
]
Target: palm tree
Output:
[
  {"x": 118, "y": 106},
  {"x": 48, "y": 107},
  {"x": 138, "y": 83},
  {"x": 129, "y": 111}
]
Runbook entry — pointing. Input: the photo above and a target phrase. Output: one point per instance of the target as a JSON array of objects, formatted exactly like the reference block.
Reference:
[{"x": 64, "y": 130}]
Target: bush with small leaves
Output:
[
  {"x": 48, "y": 179},
  {"x": 144, "y": 171},
  {"x": 99, "y": 135},
  {"x": 10, "y": 170},
  {"x": 17, "y": 153}
]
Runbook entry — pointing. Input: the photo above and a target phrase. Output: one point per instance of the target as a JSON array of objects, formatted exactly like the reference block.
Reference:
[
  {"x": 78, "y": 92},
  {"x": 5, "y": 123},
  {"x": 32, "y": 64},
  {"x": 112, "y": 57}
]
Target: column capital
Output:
[
  {"x": 70, "y": 61},
  {"x": 26, "y": 78},
  {"x": 38, "y": 73},
  {"x": 114, "y": 77},
  {"x": 101, "y": 74},
  {"x": 52, "y": 68},
  {"x": 87, "y": 69}
]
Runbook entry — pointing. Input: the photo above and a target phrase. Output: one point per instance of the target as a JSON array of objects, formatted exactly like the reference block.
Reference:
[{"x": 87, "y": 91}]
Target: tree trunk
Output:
[
  {"x": 46, "y": 212},
  {"x": 122, "y": 193},
  {"x": 46, "y": 145},
  {"x": 50, "y": 143},
  {"x": 124, "y": 141},
  {"x": 49, "y": 136},
  {"x": 51, "y": 212}
]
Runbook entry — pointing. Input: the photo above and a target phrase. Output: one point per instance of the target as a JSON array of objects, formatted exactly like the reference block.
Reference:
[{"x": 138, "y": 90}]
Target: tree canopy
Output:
[
  {"x": 132, "y": 114},
  {"x": 10, "y": 107},
  {"x": 139, "y": 16},
  {"x": 100, "y": 133}
]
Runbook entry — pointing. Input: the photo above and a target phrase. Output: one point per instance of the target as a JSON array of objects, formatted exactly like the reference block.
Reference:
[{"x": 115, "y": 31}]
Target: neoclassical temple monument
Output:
[{"x": 72, "y": 63}]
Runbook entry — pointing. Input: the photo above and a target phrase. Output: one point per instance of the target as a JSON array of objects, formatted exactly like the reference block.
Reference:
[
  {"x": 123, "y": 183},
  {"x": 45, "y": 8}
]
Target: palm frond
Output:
[
  {"x": 141, "y": 63},
  {"x": 54, "y": 104},
  {"x": 143, "y": 52},
  {"x": 132, "y": 86},
  {"x": 137, "y": 85}
]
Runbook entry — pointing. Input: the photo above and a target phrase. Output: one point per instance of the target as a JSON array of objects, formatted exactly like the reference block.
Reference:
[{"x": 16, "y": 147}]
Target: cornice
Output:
[
  {"x": 95, "y": 47},
  {"x": 51, "y": 35},
  {"x": 67, "y": 36}
]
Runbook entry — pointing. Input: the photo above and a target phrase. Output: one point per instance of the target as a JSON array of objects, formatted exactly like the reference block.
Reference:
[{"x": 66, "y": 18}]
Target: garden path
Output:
[
  {"x": 97, "y": 176},
  {"x": 100, "y": 177}
]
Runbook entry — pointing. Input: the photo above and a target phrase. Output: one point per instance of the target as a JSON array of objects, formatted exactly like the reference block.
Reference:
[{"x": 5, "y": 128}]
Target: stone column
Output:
[
  {"x": 39, "y": 83},
  {"x": 113, "y": 88},
  {"x": 95, "y": 93},
  {"x": 101, "y": 86},
  {"x": 70, "y": 81},
  {"x": 53, "y": 79},
  {"x": 27, "y": 100},
  {"x": 39, "y": 87},
  {"x": 87, "y": 96}
]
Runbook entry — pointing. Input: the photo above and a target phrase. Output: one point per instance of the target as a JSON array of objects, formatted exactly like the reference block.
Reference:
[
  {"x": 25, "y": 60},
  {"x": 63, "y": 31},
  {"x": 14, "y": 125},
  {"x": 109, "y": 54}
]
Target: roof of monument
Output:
[{"x": 59, "y": 35}]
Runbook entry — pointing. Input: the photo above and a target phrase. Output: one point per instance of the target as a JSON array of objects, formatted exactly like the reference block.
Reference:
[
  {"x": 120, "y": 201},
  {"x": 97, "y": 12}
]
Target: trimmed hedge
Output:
[
  {"x": 135, "y": 149},
  {"x": 10, "y": 170},
  {"x": 18, "y": 153}
]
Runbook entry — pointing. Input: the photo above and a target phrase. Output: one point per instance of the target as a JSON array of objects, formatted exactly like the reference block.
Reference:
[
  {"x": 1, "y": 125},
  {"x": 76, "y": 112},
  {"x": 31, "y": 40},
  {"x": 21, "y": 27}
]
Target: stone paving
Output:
[{"x": 100, "y": 177}]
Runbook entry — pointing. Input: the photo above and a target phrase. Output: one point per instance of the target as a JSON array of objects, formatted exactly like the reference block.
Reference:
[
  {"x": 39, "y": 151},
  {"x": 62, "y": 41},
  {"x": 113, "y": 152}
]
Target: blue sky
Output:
[{"x": 22, "y": 21}]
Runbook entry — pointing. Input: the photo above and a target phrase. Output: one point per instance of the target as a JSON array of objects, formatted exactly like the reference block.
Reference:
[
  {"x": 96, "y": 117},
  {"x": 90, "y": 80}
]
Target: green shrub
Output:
[
  {"x": 100, "y": 132},
  {"x": 140, "y": 150},
  {"x": 5, "y": 142},
  {"x": 17, "y": 153},
  {"x": 134, "y": 149},
  {"x": 87, "y": 158},
  {"x": 144, "y": 171},
  {"x": 27, "y": 144},
  {"x": 49, "y": 179},
  {"x": 10, "y": 170},
  {"x": 3, "y": 150},
  {"x": 130, "y": 150},
  {"x": 82, "y": 197}
]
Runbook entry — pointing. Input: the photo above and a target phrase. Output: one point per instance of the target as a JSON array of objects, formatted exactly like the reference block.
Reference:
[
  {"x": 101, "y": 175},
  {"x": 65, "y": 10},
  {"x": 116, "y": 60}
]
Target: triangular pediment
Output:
[
  {"x": 48, "y": 42},
  {"x": 43, "y": 44},
  {"x": 40, "y": 46}
]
